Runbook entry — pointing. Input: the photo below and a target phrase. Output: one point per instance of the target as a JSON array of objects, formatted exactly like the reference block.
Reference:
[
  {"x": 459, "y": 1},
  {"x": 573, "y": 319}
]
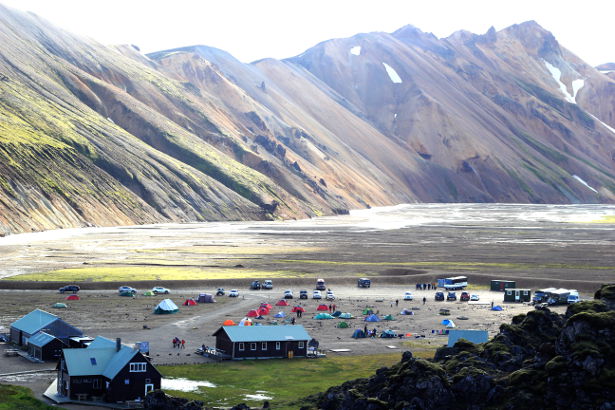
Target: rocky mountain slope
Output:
[
  {"x": 95, "y": 135},
  {"x": 540, "y": 360}
]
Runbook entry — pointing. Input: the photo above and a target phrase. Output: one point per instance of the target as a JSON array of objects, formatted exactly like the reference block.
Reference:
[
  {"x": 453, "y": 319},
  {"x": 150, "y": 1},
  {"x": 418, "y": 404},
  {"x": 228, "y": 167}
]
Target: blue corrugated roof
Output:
[
  {"x": 105, "y": 361},
  {"x": 474, "y": 336},
  {"x": 34, "y": 321},
  {"x": 266, "y": 333},
  {"x": 40, "y": 339},
  {"x": 118, "y": 361},
  {"x": 101, "y": 341}
]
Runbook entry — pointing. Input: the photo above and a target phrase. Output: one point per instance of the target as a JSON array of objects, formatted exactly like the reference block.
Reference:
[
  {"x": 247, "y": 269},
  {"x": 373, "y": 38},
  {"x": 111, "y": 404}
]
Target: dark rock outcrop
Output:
[
  {"x": 158, "y": 400},
  {"x": 541, "y": 360}
]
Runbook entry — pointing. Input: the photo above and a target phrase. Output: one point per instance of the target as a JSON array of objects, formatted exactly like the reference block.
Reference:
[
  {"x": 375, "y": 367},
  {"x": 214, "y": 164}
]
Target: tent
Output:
[
  {"x": 280, "y": 314},
  {"x": 342, "y": 325},
  {"x": 406, "y": 312},
  {"x": 59, "y": 305},
  {"x": 388, "y": 317},
  {"x": 266, "y": 306},
  {"x": 72, "y": 297},
  {"x": 298, "y": 309},
  {"x": 322, "y": 316},
  {"x": 245, "y": 322},
  {"x": 252, "y": 313},
  {"x": 322, "y": 308},
  {"x": 125, "y": 293},
  {"x": 345, "y": 316},
  {"x": 448, "y": 323},
  {"x": 497, "y": 308},
  {"x": 337, "y": 313},
  {"x": 259, "y": 317},
  {"x": 229, "y": 322},
  {"x": 166, "y": 306},
  {"x": 262, "y": 311},
  {"x": 148, "y": 293},
  {"x": 189, "y": 302},
  {"x": 358, "y": 334},
  {"x": 281, "y": 302},
  {"x": 388, "y": 334},
  {"x": 367, "y": 312},
  {"x": 372, "y": 318},
  {"x": 206, "y": 298}
]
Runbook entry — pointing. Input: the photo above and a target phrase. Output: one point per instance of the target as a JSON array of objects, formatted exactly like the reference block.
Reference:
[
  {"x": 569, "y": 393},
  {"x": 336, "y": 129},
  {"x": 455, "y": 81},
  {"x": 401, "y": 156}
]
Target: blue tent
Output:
[
  {"x": 388, "y": 334},
  {"x": 337, "y": 313},
  {"x": 372, "y": 318},
  {"x": 497, "y": 308},
  {"x": 358, "y": 334},
  {"x": 280, "y": 314}
]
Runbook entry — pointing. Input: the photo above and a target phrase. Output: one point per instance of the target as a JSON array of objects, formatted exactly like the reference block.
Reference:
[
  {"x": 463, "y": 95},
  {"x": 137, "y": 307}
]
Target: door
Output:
[
  {"x": 502, "y": 286},
  {"x": 149, "y": 388},
  {"x": 517, "y": 296}
]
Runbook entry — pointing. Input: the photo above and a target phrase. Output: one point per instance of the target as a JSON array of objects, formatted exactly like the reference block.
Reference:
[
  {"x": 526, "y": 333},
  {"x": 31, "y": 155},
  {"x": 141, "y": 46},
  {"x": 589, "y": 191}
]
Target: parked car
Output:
[
  {"x": 364, "y": 283},
  {"x": 69, "y": 288},
  {"x": 439, "y": 296},
  {"x": 451, "y": 296},
  {"x": 316, "y": 295},
  {"x": 268, "y": 284},
  {"x": 474, "y": 298},
  {"x": 160, "y": 290},
  {"x": 220, "y": 292},
  {"x": 330, "y": 295},
  {"x": 255, "y": 285},
  {"x": 127, "y": 289},
  {"x": 320, "y": 284},
  {"x": 408, "y": 296},
  {"x": 464, "y": 297},
  {"x": 288, "y": 294},
  {"x": 303, "y": 294},
  {"x": 233, "y": 293}
]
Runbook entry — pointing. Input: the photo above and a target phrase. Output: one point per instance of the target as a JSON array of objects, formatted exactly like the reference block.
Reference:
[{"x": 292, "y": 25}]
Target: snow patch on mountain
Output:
[
  {"x": 355, "y": 51},
  {"x": 578, "y": 178},
  {"x": 395, "y": 78},
  {"x": 557, "y": 75},
  {"x": 576, "y": 86}
]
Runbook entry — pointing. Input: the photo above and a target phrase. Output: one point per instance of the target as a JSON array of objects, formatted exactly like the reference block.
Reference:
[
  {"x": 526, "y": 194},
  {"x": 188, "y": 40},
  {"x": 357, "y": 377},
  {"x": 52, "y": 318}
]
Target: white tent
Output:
[{"x": 166, "y": 306}]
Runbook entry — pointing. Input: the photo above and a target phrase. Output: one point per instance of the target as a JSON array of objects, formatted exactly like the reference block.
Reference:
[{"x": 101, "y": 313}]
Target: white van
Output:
[{"x": 573, "y": 297}]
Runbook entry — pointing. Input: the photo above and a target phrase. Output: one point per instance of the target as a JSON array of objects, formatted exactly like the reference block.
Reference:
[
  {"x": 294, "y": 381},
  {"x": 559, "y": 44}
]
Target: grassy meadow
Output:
[{"x": 17, "y": 397}]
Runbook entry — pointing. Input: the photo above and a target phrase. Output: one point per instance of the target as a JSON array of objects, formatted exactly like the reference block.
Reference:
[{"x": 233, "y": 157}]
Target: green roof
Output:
[
  {"x": 265, "y": 333},
  {"x": 34, "y": 321}
]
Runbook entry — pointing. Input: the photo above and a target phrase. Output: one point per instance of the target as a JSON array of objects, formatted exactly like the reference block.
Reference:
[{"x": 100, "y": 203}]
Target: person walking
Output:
[
  {"x": 334, "y": 307},
  {"x": 183, "y": 346},
  {"x": 396, "y": 302},
  {"x": 292, "y": 321},
  {"x": 365, "y": 330},
  {"x": 424, "y": 299}
]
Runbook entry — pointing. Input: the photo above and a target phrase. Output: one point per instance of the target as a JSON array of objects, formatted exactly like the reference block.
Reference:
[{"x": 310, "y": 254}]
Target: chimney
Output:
[{"x": 118, "y": 344}]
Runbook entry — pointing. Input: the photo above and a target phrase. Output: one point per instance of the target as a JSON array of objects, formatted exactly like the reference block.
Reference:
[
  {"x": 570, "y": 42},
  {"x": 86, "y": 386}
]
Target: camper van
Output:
[
  {"x": 320, "y": 284},
  {"x": 573, "y": 297}
]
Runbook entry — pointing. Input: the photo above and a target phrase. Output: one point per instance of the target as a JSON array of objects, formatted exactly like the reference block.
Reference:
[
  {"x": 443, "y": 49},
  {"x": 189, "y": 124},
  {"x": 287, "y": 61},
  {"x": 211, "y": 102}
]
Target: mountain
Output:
[{"x": 96, "y": 135}]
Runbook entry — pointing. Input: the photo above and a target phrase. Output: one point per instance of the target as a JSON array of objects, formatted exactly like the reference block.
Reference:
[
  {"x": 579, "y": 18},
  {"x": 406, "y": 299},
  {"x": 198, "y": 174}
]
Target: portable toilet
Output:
[
  {"x": 502, "y": 285},
  {"x": 517, "y": 295}
]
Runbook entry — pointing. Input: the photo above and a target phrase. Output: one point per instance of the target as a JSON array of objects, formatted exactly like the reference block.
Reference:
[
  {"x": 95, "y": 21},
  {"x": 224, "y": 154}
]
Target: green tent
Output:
[
  {"x": 389, "y": 317},
  {"x": 59, "y": 305},
  {"x": 127, "y": 294},
  {"x": 166, "y": 306},
  {"x": 322, "y": 316},
  {"x": 346, "y": 316},
  {"x": 342, "y": 325},
  {"x": 367, "y": 311},
  {"x": 148, "y": 293}
]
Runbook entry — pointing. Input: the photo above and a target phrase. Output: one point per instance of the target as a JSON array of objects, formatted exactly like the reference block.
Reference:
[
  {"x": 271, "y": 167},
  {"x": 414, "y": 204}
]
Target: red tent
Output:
[
  {"x": 282, "y": 302},
  {"x": 298, "y": 309},
  {"x": 72, "y": 297},
  {"x": 322, "y": 307},
  {"x": 189, "y": 302},
  {"x": 252, "y": 313},
  {"x": 266, "y": 306},
  {"x": 263, "y": 311}
]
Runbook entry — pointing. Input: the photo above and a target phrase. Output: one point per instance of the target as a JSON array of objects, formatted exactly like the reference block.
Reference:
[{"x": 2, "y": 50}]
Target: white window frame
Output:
[
  {"x": 253, "y": 346},
  {"x": 301, "y": 345},
  {"x": 138, "y": 367},
  {"x": 264, "y": 346},
  {"x": 278, "y": 346},
  {"x": 241, "y": 347},
  {"x": 96, "y": 383}
]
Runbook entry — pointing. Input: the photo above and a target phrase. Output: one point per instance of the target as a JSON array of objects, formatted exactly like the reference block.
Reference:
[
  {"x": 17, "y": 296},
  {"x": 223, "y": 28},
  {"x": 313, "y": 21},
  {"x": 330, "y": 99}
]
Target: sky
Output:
[{"x": 255, "y": 29}]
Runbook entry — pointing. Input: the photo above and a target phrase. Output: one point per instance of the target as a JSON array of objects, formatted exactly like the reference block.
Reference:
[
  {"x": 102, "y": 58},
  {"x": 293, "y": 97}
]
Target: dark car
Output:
[
  {"x": 69, "y": 288},
  {"x": 439, "y": 295},
  {"x": 303, "y": 294},
  {"x": 465, "y": 296},
  {"x": 256, "y": 285},
  {"x": 220, "y": 292},
  {"x": 364, "y": 283},
  {"x": 451, "y": 296}
]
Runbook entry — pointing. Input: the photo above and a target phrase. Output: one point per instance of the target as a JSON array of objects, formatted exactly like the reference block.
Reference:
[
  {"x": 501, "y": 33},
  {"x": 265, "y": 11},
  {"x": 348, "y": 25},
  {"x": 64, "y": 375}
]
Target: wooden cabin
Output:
[
  {"x": 262, "y": 342},
  {"x": 39, "y": 320}
]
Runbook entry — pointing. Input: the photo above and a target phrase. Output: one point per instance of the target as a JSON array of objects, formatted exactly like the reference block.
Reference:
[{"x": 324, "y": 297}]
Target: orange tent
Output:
[
  {"x": 252, "y": 313},
  {"x": 282, "y": 302},
  {"x": 229, "y": 322},
  {"x": 322, "y": 307},
  {"x": 189, "y": 302},
  {"x": 72, "y": 297}
]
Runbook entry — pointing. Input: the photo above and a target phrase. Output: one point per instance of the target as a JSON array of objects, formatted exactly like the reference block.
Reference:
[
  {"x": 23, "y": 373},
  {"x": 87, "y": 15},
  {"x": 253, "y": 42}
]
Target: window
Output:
[
  {"x": 148, "y": 380},
  {"x": 525, "y": 292},
  {"x": 264, "y": 346},
  {"x": 138, "y": 367},
  {"x": 509, "y": 292},
  {"x": 252, "y": 346},
  {"x": 301, "y": 345},
  {"x": 96, "y": 384},
  {"x": 241, "y": 347},
  {"x": 277, "y": 345},
  {"x": 93, "y": 361},
  {"x": 126, "y": 381}
]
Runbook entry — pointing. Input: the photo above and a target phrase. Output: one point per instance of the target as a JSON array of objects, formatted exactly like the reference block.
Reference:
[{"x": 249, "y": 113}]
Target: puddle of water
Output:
[
  {"x": 184, "y": 384},
  {"x": 22, "y": 378},
  {"x": 258, "y": 396}
]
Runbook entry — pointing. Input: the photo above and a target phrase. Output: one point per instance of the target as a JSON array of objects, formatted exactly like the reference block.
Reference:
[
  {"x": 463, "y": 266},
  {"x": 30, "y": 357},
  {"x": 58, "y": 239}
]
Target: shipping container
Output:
[{"x": 502, "y": 285}]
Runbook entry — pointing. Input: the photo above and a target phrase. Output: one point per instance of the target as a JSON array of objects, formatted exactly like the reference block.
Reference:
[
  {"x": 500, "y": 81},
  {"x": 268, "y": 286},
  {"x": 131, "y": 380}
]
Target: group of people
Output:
[
  {"x": 331, "y": 308},
  {"x": 179, "y": 343},
  {"x": 370, "y": 333},
  {"x": 426, "y": 286}
]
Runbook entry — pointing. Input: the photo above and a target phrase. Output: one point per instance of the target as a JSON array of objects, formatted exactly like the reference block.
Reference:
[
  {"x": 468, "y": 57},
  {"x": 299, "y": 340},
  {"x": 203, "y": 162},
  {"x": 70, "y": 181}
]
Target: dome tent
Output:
[
  {"x": 189, "y": 302},
  {"x": 367, "y": 311},
  {"x": 229, "y": 322},
  {"x": 72, "y": 297},
  {"x": 252, "y": 313},
  {"x": 298, "y": 309},
  {"x": 372, "y": 318},
  {"x": 346, "y": 316},
  {"x": 388, "y": 317},
  {"x": 322, "y": 316},
  {"x": 448, "y": 323},
  {"x": 358, "y": 334},
  {"x": 206, "y": 298},
  {"x": 148, "y": 293},
  {"x": 342, "y": 325},
  {"x": 245, "y": 322},
  {"x": 166, "y": 306},
  {"x": 281, "y": 302},
  {"x": 322, "y": 308},
  {"x": 337, "y": 313},
  {"x": 388, "y": 334},
  {"x": 280, "y": 314},
  {"x": 59, "y": 305}
]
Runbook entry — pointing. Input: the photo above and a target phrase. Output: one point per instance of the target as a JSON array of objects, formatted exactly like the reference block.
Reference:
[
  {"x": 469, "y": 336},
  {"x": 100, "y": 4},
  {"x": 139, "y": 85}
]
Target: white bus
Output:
[{"x": 457, "y": 282}]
